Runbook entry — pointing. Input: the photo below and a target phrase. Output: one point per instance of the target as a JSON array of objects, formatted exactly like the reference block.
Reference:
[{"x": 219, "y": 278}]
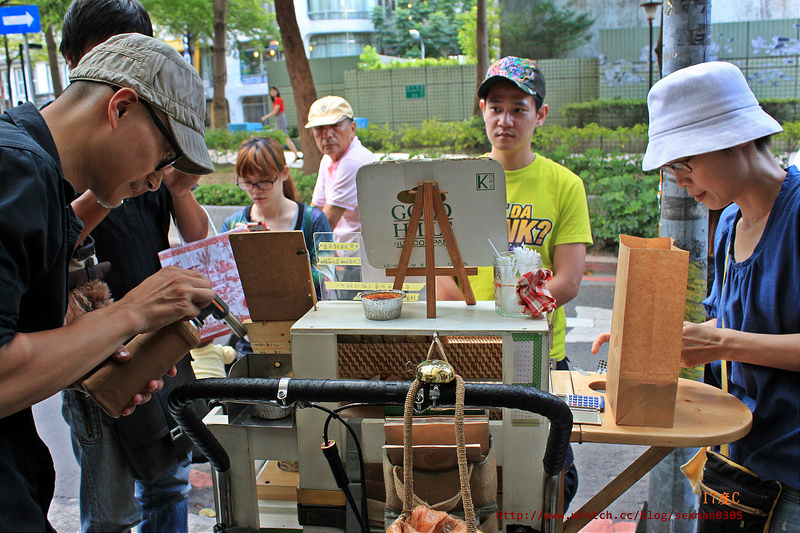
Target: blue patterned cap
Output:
[{"x": 523, "y": 72}]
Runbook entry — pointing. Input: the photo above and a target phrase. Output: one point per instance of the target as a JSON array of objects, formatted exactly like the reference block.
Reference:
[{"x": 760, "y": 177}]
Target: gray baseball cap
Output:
[{"x": 162, "y": 78}]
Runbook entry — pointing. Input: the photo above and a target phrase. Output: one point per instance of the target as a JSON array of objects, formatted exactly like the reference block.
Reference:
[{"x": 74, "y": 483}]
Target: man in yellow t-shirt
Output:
[
  {"x": 546, "y": 203},
  {"x": 546, "y": 208}
]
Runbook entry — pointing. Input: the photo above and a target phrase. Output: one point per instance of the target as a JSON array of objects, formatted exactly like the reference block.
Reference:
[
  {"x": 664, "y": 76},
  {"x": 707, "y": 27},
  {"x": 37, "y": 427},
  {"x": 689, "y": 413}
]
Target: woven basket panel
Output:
[{"x": 479, "y": 358}]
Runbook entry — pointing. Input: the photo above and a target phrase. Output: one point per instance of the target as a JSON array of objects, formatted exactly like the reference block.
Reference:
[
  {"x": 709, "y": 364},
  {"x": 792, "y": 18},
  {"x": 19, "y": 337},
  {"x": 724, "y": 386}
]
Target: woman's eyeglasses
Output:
[
  {"x": 263, "y": 185},
  {"x": 683, "y": 166}
]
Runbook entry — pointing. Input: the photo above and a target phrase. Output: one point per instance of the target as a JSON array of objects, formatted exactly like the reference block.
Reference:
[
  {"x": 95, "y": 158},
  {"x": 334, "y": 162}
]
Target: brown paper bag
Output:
[{"x": 646, "y": 325}]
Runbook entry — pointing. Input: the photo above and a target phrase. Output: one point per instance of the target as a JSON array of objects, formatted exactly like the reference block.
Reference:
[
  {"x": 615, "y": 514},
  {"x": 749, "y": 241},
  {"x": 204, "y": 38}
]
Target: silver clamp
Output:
[{"x": 283, "y": 390}]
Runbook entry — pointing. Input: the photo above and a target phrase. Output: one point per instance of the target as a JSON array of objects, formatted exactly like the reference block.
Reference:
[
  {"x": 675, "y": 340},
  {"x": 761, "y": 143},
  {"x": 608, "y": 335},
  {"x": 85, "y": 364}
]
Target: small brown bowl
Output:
[{"x": 382, "y": 304}]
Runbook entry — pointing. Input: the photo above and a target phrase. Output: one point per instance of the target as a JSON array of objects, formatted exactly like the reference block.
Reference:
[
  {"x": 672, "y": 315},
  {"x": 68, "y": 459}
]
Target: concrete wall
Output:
[
  {"x": 617, "y": 14},
  {"x": 768, "y": 52}
]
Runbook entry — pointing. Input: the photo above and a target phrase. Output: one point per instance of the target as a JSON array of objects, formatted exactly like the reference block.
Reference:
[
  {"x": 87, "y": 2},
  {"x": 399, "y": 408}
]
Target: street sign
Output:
[
  {"x": 19, "y": 19},
  {"x": 415, "y": 91}
]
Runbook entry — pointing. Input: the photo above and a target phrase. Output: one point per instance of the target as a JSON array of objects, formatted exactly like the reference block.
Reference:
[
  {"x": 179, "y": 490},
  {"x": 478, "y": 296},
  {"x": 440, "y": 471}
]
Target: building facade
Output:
[{"x": 329, "y": 28}]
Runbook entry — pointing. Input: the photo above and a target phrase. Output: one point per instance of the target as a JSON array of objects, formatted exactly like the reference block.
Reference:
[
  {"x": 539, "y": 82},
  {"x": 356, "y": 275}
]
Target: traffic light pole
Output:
[
  {"x": 24, "y": 74},
  {"x": 30, "y": 96}
]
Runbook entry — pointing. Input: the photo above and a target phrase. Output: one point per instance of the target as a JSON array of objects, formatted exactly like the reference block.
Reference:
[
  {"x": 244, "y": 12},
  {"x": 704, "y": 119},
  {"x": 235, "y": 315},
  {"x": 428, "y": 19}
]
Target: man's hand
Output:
[
  {"x": 122, "y": 355},
  {"x": 169, "y": 295},
  {"x": 179, "y": 183}
]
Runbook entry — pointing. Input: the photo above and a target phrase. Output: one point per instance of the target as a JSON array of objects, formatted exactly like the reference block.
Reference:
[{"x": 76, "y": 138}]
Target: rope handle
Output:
[
  {"x": 461, "y": 450},
  {"x": 438, "y": 343}
]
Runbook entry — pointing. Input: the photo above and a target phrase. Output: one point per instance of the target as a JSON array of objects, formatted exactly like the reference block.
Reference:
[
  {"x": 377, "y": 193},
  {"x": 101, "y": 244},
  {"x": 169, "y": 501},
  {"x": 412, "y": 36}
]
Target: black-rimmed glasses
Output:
[
  {"x": 263, "y": 185},
  {"x": 170, "y": 139},
  {"x": 683, "y": 166}
]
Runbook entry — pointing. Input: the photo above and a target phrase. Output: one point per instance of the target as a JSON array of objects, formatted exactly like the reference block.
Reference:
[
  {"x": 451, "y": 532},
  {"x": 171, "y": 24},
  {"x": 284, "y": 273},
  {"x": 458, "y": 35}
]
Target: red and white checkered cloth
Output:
[{"x": 532, "y": 292}]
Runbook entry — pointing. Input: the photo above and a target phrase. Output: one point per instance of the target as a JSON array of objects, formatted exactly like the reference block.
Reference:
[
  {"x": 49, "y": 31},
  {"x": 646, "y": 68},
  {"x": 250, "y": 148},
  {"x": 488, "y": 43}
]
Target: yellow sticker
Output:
[
  {"x": 338, "y": 260},
  {"x": 338, "y": 246},
  {"x": 364, "y": 286}
]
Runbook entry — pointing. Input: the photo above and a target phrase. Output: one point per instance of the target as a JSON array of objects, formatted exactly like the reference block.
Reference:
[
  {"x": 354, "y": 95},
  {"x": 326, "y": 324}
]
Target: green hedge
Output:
[
  {"x": 221, "y": 194},
  {"x": 607, "y": 113},
  {"x": 782, "y": 109},
  {"x": 432, "y": 137},
  {"x": 224, "y": 141},
  {"x": 230, "y": 194},
  {"x": 617, "y": 113},
  {"x": 622, "y": 198}
]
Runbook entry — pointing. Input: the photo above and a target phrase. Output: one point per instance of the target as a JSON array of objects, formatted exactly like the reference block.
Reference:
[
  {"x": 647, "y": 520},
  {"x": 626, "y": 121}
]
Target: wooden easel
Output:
[{"x": 429, "y": 201}]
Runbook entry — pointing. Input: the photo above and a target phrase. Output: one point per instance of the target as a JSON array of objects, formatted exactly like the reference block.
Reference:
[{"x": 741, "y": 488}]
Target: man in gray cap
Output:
[{"x": 134, "y": 108}]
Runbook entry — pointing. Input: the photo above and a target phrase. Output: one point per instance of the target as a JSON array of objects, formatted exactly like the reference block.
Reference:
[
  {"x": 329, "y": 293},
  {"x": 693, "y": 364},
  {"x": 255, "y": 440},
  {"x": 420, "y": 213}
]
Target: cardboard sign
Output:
[
  {"x": 646, "y": 327},
  {"x": 214, "y": 258},
  {"x": 474, "y": 196}
]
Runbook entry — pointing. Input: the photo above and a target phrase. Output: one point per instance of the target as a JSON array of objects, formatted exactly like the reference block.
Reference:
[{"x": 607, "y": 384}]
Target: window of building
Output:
[
  {"x": 19, "y": 82},
  {"x": 339, "y": 44},
  {"x": 255, "y": 107},
  {"x": 207, "y": 68},
  {"x": 341, "y": 9},
  {"x": 252, "y": 65}
]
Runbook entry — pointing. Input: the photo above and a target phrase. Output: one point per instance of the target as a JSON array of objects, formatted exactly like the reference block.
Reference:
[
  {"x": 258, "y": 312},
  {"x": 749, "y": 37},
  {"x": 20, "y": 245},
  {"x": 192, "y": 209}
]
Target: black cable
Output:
[
  {"x": 358, "y": 446},
  {"x": 362, "y": 519}
]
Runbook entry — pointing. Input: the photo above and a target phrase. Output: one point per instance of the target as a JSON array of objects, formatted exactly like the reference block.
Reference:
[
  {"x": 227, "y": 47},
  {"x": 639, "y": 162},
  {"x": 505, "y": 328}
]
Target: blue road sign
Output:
[{"x": 19, "y": 19}]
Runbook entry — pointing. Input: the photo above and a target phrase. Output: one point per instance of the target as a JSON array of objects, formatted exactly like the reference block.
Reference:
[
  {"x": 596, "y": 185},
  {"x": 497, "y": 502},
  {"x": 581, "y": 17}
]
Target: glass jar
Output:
[{"x": 507, "y": 270}]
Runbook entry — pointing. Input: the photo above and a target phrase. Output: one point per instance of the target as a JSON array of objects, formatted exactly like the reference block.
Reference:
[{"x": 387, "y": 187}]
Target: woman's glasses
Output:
[
  {"x": 263, "y": 185},
  {"x": 683, "y": 166}
]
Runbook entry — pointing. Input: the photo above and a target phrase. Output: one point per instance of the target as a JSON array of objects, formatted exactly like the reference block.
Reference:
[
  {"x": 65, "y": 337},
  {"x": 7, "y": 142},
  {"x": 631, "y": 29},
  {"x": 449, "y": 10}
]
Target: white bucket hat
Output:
[{"x": 700, "y": 109}]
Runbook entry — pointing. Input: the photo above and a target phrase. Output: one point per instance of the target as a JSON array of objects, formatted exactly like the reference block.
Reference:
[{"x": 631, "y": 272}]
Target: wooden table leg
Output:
[{"x": 608, "y": 494}]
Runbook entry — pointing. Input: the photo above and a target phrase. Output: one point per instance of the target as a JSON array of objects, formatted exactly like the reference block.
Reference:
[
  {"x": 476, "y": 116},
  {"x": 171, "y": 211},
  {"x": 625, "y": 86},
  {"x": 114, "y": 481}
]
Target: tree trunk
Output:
[
  {"x": 300, "y": 77},
  {"x": 52, "y": 54},
  {"x": 687, "y": 32},
  {"x": 686, "y": 35},
  {"x": 482, "y": 51},
  {"x": 220, "y": 75}
]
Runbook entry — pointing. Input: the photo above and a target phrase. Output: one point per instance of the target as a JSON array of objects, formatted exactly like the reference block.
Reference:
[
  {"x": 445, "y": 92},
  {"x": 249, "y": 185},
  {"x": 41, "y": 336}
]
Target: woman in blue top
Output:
[
  {"x": 260, "y": 166},
  {"x": 708, "y": 131}
]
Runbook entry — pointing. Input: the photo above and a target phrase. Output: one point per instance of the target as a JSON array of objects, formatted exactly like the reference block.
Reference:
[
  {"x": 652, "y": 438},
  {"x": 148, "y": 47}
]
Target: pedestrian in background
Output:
[{"x": 279, "y": 112}]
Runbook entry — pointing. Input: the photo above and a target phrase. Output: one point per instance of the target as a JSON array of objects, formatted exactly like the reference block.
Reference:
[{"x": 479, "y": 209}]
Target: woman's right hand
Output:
[{"x": 600, "y": 340}]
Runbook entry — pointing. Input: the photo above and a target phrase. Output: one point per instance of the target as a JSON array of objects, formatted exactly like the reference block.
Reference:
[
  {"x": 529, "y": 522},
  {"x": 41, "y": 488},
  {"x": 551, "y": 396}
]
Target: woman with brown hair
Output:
[{"x": 261, "y": 172}]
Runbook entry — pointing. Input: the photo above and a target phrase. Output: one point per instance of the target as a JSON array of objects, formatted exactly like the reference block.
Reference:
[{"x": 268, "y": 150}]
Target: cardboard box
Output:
[
  {"x": 646, "y": 328},
  {"x": 474, "y": 195}
]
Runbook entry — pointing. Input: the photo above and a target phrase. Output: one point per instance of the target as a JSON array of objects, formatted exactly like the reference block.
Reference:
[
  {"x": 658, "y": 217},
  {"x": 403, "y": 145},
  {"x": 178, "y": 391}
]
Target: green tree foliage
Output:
[
  {"x": 369, "y": 58},
  {"x": 467, "y": 31},
  {"x": 541, "y": 30},
  {"x": 436, "y": 20},
  {"x": 247, "y": 20}
]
